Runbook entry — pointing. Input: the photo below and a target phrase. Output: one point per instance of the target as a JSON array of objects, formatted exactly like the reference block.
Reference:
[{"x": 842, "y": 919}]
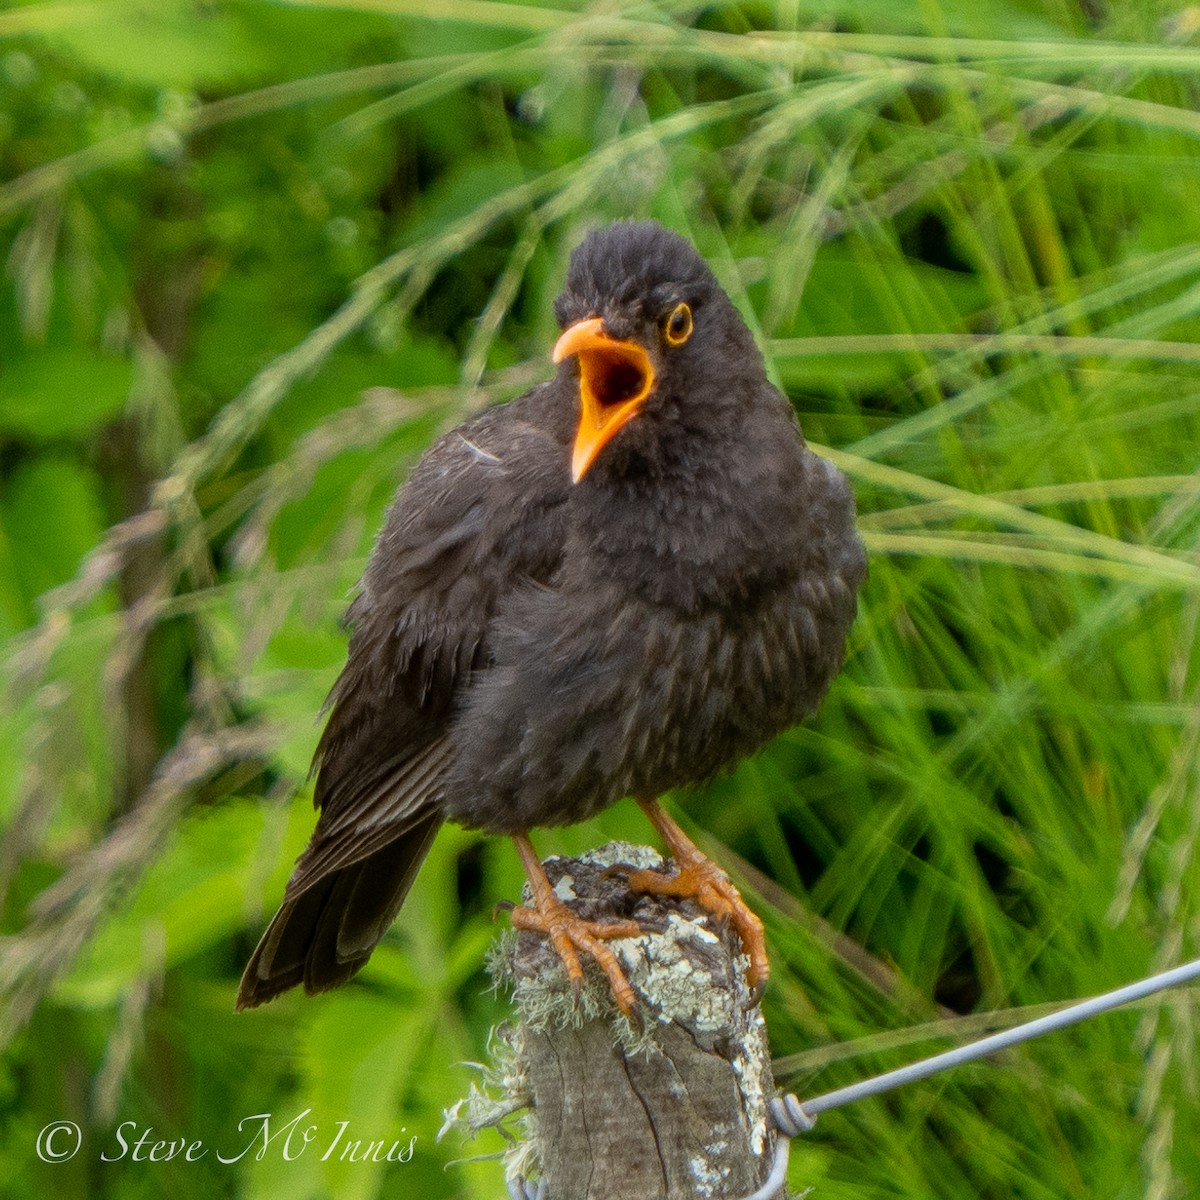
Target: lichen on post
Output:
[{"x": 674, "y": 1108}]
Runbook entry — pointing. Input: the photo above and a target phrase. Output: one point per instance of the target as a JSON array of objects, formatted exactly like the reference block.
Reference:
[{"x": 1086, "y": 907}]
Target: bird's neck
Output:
[{"x": 691, "y": 532}]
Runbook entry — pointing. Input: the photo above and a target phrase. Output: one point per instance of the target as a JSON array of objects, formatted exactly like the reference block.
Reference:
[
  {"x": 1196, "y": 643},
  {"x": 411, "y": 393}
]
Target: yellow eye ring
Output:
[{"x": 677, "y": 328}]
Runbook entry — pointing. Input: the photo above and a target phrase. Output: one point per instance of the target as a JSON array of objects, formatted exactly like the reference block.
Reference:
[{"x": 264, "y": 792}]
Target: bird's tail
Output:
[{"x": 324, "y": 935}]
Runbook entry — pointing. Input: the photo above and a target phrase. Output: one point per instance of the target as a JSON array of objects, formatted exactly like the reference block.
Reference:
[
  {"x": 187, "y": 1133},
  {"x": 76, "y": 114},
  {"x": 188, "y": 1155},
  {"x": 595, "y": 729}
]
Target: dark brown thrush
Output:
[{"x": 622, "y": 582}]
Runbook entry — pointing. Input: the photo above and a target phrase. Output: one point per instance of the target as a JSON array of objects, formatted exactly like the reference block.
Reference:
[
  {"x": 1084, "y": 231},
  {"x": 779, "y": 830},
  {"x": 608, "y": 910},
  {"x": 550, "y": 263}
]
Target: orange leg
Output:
[
  {"x": 700, "y": 879},
  {"x": 569, "y": 933}
]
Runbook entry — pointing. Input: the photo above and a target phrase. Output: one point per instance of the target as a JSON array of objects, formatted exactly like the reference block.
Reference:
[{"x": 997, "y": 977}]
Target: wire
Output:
[
  {"x": 793, "y": 1117},
  {"x": 520, "y": 1188}
]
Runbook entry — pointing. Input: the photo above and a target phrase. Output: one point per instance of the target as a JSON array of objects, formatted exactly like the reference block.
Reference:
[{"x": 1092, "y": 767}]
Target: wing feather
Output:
[{"x": 477, "y": 517}]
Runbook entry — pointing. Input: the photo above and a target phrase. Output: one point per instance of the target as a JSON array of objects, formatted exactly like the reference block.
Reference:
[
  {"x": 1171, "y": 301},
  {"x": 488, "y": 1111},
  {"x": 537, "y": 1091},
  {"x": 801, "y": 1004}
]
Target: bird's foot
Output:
[
  {"x": 571, "y": 935},
  {"x": 698, "y": 878}
]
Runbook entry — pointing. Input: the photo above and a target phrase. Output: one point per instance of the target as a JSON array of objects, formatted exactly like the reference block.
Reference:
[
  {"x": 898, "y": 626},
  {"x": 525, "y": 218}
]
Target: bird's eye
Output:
[{"x": 678, "y": 326}]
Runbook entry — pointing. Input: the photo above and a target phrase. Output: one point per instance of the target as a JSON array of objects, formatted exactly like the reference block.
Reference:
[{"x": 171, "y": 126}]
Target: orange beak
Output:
[{"x": 615, "y": 377}]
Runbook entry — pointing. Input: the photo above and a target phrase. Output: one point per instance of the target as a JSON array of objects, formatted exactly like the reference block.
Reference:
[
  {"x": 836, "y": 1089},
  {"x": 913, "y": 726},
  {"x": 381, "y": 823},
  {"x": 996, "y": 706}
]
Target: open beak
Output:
[{"x": 615, "y": 377}]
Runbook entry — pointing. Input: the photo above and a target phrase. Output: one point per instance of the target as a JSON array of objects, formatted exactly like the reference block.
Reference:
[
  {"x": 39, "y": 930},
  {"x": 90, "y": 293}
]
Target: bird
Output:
[{"x": 618, "y": 584}]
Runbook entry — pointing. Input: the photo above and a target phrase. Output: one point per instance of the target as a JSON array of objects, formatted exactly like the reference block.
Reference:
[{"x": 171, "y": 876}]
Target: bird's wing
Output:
[{"x": 478, "y": 517}]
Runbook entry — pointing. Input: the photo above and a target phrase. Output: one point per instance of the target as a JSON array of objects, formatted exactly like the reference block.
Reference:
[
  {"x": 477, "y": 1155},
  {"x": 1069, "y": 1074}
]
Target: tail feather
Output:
[{"x": 324, "y": 935}]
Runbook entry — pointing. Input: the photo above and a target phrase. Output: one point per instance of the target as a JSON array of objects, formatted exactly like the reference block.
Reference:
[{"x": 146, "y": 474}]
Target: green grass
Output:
[{"x": 258, "y": 255}]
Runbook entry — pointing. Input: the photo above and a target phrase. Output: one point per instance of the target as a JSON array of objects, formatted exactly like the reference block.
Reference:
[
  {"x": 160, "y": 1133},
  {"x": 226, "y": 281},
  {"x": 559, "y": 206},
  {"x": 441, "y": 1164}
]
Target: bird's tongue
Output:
[{"x": 615, "y": 377}]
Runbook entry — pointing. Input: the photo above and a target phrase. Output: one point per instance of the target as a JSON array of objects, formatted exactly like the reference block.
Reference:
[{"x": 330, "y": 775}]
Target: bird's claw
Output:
[
  {"x": 754, "y": 998},
  {"x": 570, "y": 935},
  {"x": 618, "y": 871},
  {"x": 700, "y": 880}
]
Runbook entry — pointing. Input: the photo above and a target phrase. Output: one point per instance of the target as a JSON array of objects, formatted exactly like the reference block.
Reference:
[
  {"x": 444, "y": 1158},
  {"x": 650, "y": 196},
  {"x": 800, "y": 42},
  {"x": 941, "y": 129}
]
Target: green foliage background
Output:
[{"x": 256, "y": 255}]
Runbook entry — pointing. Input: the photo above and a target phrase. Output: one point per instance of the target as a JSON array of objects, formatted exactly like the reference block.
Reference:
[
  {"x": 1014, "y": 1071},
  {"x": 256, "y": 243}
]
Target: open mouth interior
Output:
[{"x": 616, "y": 373}]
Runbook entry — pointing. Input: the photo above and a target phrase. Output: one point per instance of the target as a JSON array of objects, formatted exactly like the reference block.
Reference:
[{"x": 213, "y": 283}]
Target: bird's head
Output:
[{"x": 650, "y": 330}]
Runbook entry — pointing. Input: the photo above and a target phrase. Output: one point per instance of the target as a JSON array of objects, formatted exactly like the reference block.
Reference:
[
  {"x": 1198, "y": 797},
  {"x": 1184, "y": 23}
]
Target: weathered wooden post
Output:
[{"x": 672, "y": 1110}]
